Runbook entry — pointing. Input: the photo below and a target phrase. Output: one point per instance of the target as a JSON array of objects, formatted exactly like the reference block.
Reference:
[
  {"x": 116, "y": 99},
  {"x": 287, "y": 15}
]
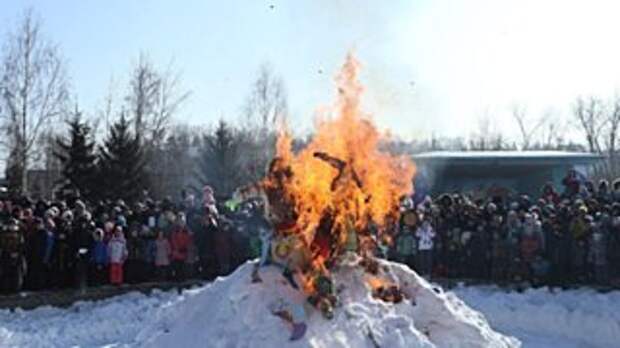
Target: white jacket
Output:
[
  {"x": 425, "y": 234},
  {"x": 117, "y": 249},
  {"x": 162, "y": 252}
]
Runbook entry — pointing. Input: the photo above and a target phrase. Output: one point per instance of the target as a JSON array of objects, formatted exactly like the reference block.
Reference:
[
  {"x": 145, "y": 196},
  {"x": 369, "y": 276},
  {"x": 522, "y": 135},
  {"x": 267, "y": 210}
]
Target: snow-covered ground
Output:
[
  {"x": 550, "y": 317},
  {"x": 538, "y": 318}
]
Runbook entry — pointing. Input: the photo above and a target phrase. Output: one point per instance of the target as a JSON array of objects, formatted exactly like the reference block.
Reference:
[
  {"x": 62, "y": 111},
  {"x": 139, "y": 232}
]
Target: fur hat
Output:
[{"x": 67, "y": 215}]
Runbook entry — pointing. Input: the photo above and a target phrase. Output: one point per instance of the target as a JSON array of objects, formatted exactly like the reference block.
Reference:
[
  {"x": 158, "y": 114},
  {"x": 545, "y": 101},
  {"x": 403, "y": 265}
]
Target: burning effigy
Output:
[{"x": 336, "y": 197}]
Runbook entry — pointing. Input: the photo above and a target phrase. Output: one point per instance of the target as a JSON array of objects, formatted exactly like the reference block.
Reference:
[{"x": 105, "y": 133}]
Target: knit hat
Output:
[
  {"x": 98, "y": 233},
  {"x": 121, "y": 221}
]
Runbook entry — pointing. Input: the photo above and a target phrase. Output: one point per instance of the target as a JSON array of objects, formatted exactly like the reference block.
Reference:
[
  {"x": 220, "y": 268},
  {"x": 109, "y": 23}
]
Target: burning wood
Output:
[
  {"x": 343, "y": 170},
  {"x": 385, "y": 291}
]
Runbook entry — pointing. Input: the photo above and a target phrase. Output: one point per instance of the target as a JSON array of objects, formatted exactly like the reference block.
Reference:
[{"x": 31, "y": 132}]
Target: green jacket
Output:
[
  {"x": 255, "y": 247},
  {"x": 406, "y": 244}
]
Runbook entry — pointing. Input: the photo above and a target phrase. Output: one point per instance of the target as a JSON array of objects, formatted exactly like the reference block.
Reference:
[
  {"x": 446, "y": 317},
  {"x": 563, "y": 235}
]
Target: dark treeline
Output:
[{"x": 134, "y": 144}]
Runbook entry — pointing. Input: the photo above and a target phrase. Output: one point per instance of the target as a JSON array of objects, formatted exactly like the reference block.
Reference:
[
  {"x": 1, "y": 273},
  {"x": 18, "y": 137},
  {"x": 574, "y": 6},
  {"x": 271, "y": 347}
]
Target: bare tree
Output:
[
  {"x": 591, "y": 121},
  {"x": 266, "y": 105},
  {"x": 170, "y": 98},
  {"x": 611, "y": 138},
  {"x": 33, "y": 93},
  {"x": 552, "y": 132},
  {"x": 487, "y": 137},
  {"x": 599, "y": 122},
  {"x": 144, "y": 86},
  {"x": 527, "y": 128},
  {"x": 154, "y": 97},
  {"x": 266, "y": 110},
  {"x": 106, "y": 112}
]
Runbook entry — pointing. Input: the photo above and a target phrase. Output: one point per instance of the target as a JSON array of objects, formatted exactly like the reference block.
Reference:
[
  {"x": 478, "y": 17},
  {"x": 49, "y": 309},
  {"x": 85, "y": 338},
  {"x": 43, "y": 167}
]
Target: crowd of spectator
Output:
[
  {"x": 558, "y": 238},
  {"x": 71, "y": 243},
  {"x": 562, "y": 237}
]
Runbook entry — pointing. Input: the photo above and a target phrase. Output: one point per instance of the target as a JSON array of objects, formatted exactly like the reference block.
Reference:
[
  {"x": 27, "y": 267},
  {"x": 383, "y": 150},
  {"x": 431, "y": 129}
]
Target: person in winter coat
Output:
[
  {"x": 223, "y": 247},
  {"x": 148, "y": 252},
  {"x": 613, "y": 250},
  {"x": 162, "y": 256},
  {"x": 180, "y": 244},
  {"x": 208, "y": 198},
  {"x": 579, "y": 229},
  {"x": 597, "y": 255},
  {"x": 604, "y": 194},
  {"x": 571, "y": 184},
  {"x": 513, "y": 229},
  {"x": 558, "y": 251},
  {"x": 615, "y": 195},
  {"x": 167, "y": 222},
  {"x": 191, "y": 262},
  {"x": 578, "y": 259},
  {"x": 63, "y": 263},
  {"x": 82, "y": 240},
  {"x": 500, "y": 256},
  {"x": 42, "y": 246},
  {"x": 205, "y": 243},
  {"x": 117, "y": 254},
  {"x": 579, "y": 226},
  {"x": 453, "y": 250},
  {"x": 549, "y": 195},
  {"x": 479, "y": 246},
  {"x": 587, "y": 190},
  {"x": 426, "y": 235},
  {"x": 98, "y": 258},
  {"x": 406, "y": 246},
  {"x": 532, "y": 242},
  {"x": 108, "y": 230},
  {"x": 134, "y": 267}
]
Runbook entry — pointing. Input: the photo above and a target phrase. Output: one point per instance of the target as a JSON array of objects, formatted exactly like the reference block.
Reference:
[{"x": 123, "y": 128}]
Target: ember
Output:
[
  {"x": 385, "y": 290},
  {"x": 389, "y": 293}
]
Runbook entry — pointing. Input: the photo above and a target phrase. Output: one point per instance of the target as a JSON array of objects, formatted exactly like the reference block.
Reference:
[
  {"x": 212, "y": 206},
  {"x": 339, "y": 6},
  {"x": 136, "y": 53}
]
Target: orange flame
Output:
[
  {"x": 376, "y": 283},
  {"x": 342, "y": 172}
]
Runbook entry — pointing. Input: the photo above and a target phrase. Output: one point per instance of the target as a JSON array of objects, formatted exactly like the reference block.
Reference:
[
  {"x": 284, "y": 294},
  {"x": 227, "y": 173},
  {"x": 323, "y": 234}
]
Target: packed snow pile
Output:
[{"x": 234, "y": 312}]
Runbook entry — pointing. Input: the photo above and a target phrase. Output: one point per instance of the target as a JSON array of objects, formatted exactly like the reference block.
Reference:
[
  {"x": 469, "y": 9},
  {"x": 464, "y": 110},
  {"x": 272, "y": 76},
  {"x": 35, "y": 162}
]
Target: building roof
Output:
[{"x": 507, "y": 157}]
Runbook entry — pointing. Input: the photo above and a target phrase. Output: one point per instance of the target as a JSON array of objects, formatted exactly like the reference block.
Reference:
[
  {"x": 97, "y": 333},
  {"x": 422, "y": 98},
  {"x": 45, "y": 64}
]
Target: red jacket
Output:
[
  {"x": 180, "y": 243},
  {"x": 530, "y": 245}
]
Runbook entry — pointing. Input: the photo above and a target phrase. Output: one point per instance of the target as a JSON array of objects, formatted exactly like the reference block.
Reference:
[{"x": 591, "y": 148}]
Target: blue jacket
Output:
[
  {"x": 48, "y": 246},
  {"x": 99, "y": 253}
]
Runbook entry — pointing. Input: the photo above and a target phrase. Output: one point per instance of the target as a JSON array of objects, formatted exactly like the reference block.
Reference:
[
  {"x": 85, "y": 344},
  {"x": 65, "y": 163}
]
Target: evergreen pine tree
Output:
[
  {"x": 177, "y": 164},
  {"x": 121, "y": 164},
  {"x": 77, "y": 157},
  {"x": 219, "y": 160}
]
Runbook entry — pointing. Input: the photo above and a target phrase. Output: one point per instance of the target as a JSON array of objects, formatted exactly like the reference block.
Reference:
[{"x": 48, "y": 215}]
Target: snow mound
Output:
[{"x": 233, "y": 312}]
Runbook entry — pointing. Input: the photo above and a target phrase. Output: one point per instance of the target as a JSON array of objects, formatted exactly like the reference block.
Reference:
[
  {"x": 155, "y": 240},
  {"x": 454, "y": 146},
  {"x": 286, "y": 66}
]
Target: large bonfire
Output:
[
  {"x": 343, "y": 173},
  {"x": 341, "y": 191}
]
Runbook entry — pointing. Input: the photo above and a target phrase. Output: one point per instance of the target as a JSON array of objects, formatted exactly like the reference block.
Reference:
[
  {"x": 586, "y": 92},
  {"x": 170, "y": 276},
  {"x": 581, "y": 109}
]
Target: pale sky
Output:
[{"x": 428, "y": 66}]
